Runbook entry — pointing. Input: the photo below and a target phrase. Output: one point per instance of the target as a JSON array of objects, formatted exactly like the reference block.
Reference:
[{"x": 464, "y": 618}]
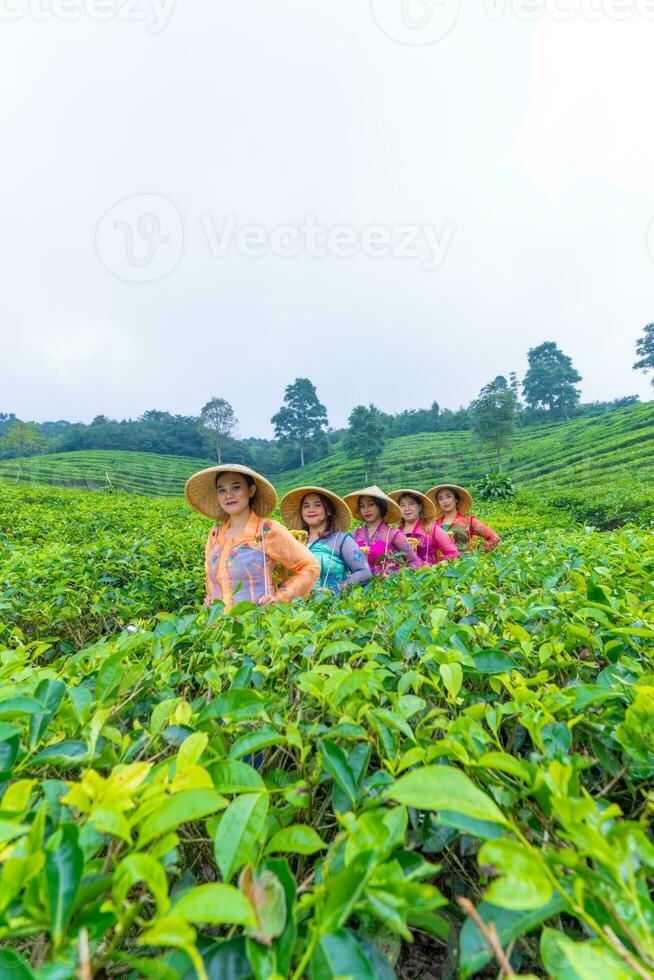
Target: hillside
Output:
[
  {"x": 583, "y": 461},
  {"x": 93, "y": 469}
]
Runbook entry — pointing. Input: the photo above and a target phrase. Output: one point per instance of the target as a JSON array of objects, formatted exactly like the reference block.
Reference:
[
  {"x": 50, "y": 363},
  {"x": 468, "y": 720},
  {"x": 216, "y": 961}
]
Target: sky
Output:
[{"x": 394, "y": 198}]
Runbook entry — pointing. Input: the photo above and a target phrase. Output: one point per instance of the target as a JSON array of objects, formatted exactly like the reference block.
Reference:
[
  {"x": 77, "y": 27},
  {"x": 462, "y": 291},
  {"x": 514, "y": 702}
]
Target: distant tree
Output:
[
  {"x": 302, "y": 417},
  {"x": 550, "y": 381},
  {"x": 23, "y": 439},
  {"x": 514, "y": 385},
  {"x": 645, "y": 351},
  {"x": 494, "y": 416},
  {"x": 366, "y": 436},
  {"x": 218, "y": 417}
]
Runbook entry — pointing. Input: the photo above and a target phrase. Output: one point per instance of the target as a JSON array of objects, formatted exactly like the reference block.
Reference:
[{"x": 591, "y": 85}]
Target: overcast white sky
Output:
[{"x": 521, "y": 138}]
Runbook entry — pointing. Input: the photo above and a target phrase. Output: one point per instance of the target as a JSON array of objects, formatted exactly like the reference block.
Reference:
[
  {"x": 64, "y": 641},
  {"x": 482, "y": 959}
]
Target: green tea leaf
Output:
[
  {"x": 216, "y": 905},
  {"x": 191, "y": 804},
  {"x": 63, "y": 873},
  {"x": 296, "y": 839},
  {"x": 237, "y": 836},
  {"x": 444, "y": 788}
]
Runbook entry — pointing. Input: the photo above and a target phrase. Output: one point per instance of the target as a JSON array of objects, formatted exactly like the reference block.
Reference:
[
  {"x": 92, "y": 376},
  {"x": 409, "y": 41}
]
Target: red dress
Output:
[
  {"x": 434, "y": 545},
  {"x": 466, "y": 527}
]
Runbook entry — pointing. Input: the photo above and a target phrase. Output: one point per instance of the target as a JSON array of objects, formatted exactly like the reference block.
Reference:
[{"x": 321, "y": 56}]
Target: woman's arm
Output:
[
  {"x": 398, "y": 542},
  {"x": 356, "y": 562},
  {"x": 441, "y": 541},
  {"x": 491, "y": 537},
  {"x": 305, "y": 569}
]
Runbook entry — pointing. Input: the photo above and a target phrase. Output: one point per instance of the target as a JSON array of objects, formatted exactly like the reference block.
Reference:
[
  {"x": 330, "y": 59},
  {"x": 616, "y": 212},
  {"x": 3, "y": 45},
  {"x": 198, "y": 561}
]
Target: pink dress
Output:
[
  {"x": 382, "y": 542},
  {"x": 434, "y": 545}
]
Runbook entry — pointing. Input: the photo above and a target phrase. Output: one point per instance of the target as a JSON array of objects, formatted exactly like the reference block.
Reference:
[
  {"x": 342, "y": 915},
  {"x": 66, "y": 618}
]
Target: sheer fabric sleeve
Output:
[
  {"x": 211, "y": 538},
  {"x": 398, "y": 542},
  {"x": 442, "y": 542},
  {"x": 356, "y": 562},
  {"x": 491, "y": 537},
  {"x": 304, "y": 568}
]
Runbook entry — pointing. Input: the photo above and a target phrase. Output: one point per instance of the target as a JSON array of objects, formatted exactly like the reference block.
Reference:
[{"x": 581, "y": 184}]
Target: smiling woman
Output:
[{"x": 243, "y": 548}]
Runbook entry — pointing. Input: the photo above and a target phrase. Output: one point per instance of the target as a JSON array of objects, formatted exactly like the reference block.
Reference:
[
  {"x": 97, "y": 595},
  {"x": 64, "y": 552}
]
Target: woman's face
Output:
[
  {"x": 369, "y": 509},
  {"x": 446, "y": 501},
  {"x": 234, "y": 494},
  {"x": 410, "y": 509},
  {"x": 313, "y": 511}
]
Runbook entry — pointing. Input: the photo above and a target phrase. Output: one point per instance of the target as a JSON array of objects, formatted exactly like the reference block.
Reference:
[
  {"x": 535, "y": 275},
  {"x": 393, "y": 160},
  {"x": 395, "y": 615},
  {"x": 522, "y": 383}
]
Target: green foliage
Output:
[
  {"x": 23, "y": 439},
  {"x": 272, "y": 792},
  {"x": 365, "y": 437},
  {"x": 494, "y": 416},
  {"x": 496, "y": 486},
  {"x": 302, "y": 418},
  {"x": 218, "y": 418},
  {"x": 550, "y": 381},
  {"x": 645, "y": 351}
]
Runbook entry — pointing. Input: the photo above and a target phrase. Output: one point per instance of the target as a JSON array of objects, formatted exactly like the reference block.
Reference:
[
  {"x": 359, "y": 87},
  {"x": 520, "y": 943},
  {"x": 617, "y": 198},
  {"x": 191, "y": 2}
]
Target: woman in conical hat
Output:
[
  {"x": 418, "y": 512},
  {"x": 453, "y": 505},
  {"x": 376, "y": 538},
  {"x": 243, "y": 547},
  {"x": 325, "y": 518}
]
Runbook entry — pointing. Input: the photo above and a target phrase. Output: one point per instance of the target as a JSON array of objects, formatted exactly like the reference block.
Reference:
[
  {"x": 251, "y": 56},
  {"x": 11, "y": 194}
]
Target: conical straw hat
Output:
[
  {"x": 393, "y": 514},
  {"x": 291, "y": 508},
  {"x": 428, "y": 505},
  {"x": 200, "y": 491},
  {"x": 465, "y": 500}
]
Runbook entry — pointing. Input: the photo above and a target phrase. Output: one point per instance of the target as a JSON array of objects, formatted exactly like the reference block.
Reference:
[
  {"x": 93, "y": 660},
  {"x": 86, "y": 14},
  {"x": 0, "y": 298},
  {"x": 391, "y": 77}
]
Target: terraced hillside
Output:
[
  {"x": 143, "y": 473},
  {"x": 601, "y": 468},
  {"x": 579, "y": 453}
]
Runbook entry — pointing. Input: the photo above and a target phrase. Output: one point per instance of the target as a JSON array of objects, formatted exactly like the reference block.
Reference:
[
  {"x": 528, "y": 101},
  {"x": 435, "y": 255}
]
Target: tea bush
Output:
[{"x": 300, "y": 791}]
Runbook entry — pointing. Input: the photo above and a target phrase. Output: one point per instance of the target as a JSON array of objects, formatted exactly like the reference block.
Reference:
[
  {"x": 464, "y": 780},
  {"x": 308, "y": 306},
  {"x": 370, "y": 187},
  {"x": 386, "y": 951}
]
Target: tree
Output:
[
  {"x": 645, "y": 351},
  {"x": 23, "y": 439},
  {"x": 494, "y": 416},
  {"x": 550, "y": 381},
  {"x": 218, "y": 417},
  {"x": 366, "y": 436},
  {"x": 302, "y": 417},
  {"x": 514, "y": 385}
]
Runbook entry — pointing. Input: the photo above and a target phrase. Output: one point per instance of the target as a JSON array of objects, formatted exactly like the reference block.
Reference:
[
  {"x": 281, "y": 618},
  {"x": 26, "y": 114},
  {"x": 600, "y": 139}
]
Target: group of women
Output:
[{"x": 249, "y": 556}]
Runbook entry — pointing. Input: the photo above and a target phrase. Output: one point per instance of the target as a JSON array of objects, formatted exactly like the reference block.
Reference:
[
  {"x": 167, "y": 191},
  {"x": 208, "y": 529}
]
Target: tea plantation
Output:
[{"x": 446, "y": 774}]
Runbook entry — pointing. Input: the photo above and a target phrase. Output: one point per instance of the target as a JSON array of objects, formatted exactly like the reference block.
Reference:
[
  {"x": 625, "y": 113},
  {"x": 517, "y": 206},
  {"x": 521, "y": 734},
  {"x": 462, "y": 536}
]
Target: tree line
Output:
[{"x": 548, "y": 392}]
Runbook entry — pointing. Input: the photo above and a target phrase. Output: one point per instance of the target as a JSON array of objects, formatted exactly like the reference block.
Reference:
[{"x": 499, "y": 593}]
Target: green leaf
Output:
[
  {"x": 523, "y": 883},
  {"x": 235, "y": 777},
  {"x": 344, "y": 891},
  {"x": 64, "y": 753},
  {"x": 215, "y": 905},
  {"x": 255, "y": 741},
  {"x": 113, "y": 822},
  {"x": 339, "y": 954},
  {"x": 444, "y": 788},
  {"x": 238, "y": 833},
  {"x": 296, "y": 839},
  {"x": 63, "y": 873},
  {"x": 142, "y": 867},
  {"x": 190, "y": 804},
  {"x": 49, "y": 694},
  {"x": 566, "y": 959},
  {"x": 19, "y": 706},
  {"x": 452, "y": 675},
  {"x": 168, "y": 931},
  {"x": 284, "y": 944},
  {"x": 14, "y": 967},
  {"x": 474, "y": 950},
  {"x": 483, "y": 829},
  {"x": 335, "y": 762}
]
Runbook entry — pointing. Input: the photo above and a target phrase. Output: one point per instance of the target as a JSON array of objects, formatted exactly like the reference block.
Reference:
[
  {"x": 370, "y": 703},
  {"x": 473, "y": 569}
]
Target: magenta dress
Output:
[
  {"x": 434, "y": 545},
  {"x": 382, "y": 543}
]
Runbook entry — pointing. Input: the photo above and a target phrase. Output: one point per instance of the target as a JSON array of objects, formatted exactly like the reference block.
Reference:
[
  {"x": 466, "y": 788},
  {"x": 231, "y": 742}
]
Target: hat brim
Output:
[
  {"x": 291, "y": 508},
  {"x": 393, "y": 513},
  {"x": 200, "y": 491},
  {"x": 465, "y": 500},
  {"x": 429, "y": 508}
]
